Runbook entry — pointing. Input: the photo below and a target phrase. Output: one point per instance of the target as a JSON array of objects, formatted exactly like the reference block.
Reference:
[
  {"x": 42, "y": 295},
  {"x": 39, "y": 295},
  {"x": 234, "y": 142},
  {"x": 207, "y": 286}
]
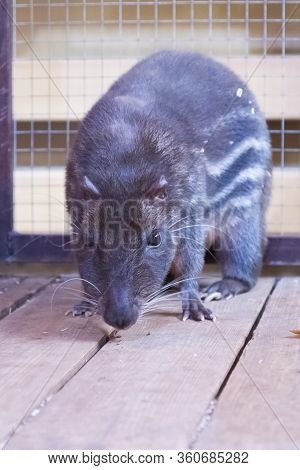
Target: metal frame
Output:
[
  {"x": 21, "y": 247},
  {"x": 6, "y": 136}
]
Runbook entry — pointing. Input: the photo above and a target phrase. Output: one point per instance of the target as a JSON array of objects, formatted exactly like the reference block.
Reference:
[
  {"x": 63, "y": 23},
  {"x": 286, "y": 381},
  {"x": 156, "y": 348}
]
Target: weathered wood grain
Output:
[
  {"x": 149, "y": 388},
  {"x": 260, "y": 407},
  {"x": 7, "y": 282},
  {"x": 40, "y": 350},
  {"x": 16, "y": 292}
]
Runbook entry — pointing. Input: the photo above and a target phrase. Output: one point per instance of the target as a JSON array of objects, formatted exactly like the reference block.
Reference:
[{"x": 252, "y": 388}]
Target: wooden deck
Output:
[{"x": 162, "y": 384}]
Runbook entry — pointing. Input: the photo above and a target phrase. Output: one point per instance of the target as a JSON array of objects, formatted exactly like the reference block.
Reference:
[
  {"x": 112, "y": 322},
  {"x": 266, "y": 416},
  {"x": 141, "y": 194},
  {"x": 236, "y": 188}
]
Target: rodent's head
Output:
[
  {"x": 125, "y": 250},
  {"x": 121, "y": 216}
]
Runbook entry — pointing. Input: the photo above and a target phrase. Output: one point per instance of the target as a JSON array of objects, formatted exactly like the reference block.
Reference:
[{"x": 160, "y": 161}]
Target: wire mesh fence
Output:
[{"x": 67, "y": 53}]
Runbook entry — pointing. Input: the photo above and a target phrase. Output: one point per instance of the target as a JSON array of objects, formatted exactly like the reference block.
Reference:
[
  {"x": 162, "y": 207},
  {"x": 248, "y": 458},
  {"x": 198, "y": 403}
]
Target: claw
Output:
[
  {"x": 80, "y": 311},
  {"x": 229, "y": 296},
  {"x": 211, "y": 317},
  {"x": 193, "y": 308},
  {"x": 213, "y": 296},
  {"x": 225, "y": 289},
  {"x": 88, "y": 313},
  {"x": 185, "y": 316}
]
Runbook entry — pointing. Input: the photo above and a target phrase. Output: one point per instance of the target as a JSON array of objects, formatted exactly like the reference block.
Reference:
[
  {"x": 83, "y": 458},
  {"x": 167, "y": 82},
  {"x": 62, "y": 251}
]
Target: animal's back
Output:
[
  {"x": 209, "y": 109},
  {"x": 190, "y": 90}
]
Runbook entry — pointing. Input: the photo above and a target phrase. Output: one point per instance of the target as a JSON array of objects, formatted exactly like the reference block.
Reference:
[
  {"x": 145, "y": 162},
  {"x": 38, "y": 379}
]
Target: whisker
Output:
[
  {"x": 165, "y": 299},
  {"x": 161, "y": 305},
  {"x": 189, "y": 238},
  {"x": 160, "y": 308},
  {"x": 199, "y": 243},
  {"x": 69, "y": 280},
  {"x": 171, "y": 284},
  {"x": 80, "y": 299},
  {"x": 77, "y": 295},
  {"x": 164, "y": 296},
  {"x": 179, "y": 281},
  {"x": 174, "y": 295},
  {"x": 177, "y": 221},
  {"x": 79, "y": 291},
  {"x": 162, "y": 302},
  {"x": 201, "y": 225},
  {"x": 63, "y": 244},
  {"x": 75, "y": 225}
]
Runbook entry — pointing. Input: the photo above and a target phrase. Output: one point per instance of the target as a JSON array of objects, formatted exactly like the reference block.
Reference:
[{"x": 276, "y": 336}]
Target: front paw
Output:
[
  {"x": 224, "y": 289},
  {"x": 193, "y": 308},
  {"x": 82, "y": 309}
]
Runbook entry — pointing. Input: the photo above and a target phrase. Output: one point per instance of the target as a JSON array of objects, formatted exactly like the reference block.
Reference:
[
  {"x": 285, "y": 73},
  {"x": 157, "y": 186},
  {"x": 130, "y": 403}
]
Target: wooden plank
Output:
[
  {"x": 66, "y": 89},
  {"x": 40, "y": 350},
  {"x": 147, "y": 389},
  {"x": 7, "y": 283},
  {"x": 19, "y": 292},
  {"x": 260, "y": 407}
]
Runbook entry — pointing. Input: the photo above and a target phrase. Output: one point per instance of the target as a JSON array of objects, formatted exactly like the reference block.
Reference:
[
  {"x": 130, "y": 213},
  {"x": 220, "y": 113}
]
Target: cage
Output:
[{"x": 59, "y": 56}]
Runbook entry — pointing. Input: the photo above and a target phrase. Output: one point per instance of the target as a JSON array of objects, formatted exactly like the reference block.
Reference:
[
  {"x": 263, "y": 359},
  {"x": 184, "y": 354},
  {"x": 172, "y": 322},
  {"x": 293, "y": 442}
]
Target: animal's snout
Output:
[{"x": 120, "y": 309}]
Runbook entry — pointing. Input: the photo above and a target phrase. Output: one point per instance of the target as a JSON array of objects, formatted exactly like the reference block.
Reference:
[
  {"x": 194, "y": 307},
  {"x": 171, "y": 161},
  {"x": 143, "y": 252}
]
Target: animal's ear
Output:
[
  {"x": 90, "y": 187},
  {"x": 158, "y": 191}
]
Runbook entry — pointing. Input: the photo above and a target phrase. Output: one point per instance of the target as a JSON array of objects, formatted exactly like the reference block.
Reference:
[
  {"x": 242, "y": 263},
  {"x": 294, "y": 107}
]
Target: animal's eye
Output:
[{"x": 154, "y": 239}]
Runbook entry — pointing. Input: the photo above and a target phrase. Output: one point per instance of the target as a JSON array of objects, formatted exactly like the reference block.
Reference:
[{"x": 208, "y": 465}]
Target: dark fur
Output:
[{"x": 173, "y": 116}]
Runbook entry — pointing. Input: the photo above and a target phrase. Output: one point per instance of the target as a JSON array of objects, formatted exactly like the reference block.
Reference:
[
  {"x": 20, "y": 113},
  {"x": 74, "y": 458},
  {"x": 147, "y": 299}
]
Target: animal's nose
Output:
[
  {"x": 120, "y": 312},
  {"x": 122, "y": 319},
  {"x": 122, "y": 322}
]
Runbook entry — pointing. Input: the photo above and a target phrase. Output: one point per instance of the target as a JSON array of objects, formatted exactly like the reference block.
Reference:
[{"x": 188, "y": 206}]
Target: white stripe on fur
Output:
[{"x": 216, "y": 169}]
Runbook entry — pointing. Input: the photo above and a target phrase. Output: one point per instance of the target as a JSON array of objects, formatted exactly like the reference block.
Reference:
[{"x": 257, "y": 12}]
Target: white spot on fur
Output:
[
  {"x": 231, "y": 142},
  {"x": 215, "y": 169},
  {"x": 245, "y": 201},
  {"x": 255, "y": 174},
  {"x": 130, "y": 100},
  {"x": 162, "y": 182},
  {"x": 202, "y": 150},
  {"x": 252, "y": 111},
  {"x": 124, "y": 132},
  {"x": 239, "y": 92},
  {"x": 90, "y": 186}
]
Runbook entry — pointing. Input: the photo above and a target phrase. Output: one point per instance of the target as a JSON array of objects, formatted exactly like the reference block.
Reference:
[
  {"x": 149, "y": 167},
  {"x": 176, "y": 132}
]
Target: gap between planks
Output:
[
  {"x": 259, "y": 407},
  {"x": 146, "y": 391},
  {"x": 211, "y": 408},
  {"x": 15, "y": 292},
  {"x": 40, "y": 351}
]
